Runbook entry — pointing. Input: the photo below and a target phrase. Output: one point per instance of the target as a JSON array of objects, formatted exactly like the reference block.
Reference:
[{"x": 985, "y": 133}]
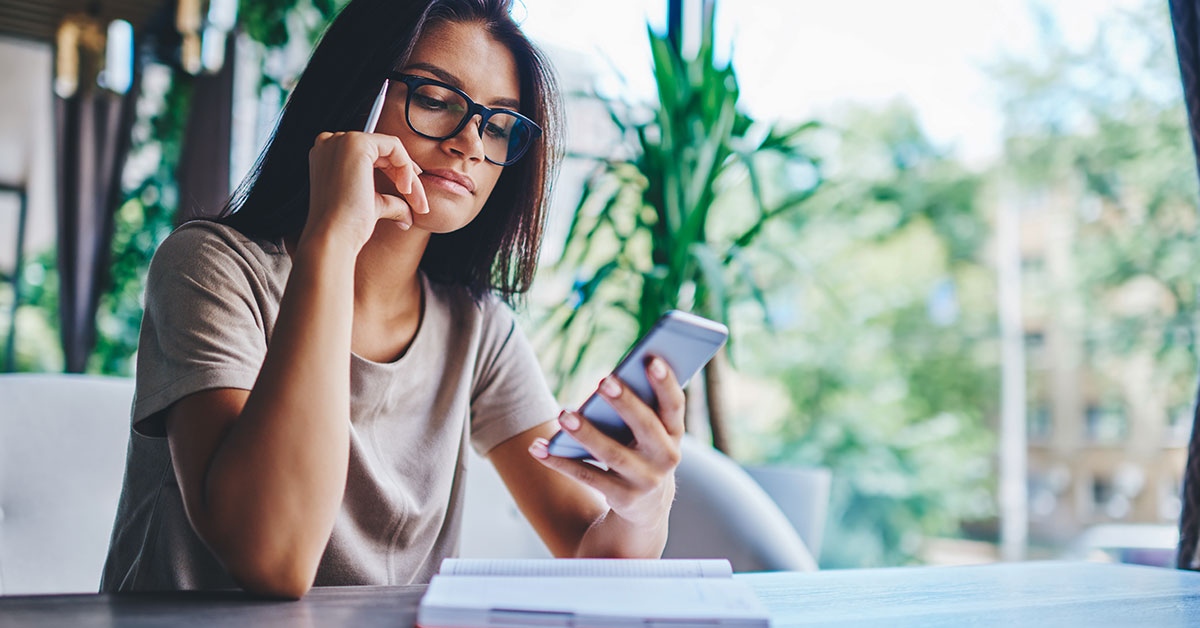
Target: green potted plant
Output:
[{"x": 655, "y": 229}]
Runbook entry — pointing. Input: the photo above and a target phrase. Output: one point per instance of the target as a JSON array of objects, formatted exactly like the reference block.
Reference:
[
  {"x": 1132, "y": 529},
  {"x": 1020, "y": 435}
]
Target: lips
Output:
[{"x": 452, "y": 176}]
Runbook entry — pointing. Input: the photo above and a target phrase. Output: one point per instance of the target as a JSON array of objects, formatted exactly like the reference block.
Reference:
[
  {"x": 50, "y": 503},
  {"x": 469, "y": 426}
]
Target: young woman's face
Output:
[{"x": 456, "y": 177}]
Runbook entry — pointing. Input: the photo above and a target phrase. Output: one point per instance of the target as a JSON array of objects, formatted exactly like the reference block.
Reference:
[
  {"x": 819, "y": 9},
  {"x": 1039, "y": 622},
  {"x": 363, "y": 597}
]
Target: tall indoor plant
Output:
[{"x": 645, "y": 238}]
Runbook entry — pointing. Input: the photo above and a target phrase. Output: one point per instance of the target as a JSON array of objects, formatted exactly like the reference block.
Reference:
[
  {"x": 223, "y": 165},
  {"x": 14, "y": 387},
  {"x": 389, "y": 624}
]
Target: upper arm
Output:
[
  {"x": 204, "y": 326},
  {"x": 195, "y": 426},
  {"x": 560, "y": 509}
]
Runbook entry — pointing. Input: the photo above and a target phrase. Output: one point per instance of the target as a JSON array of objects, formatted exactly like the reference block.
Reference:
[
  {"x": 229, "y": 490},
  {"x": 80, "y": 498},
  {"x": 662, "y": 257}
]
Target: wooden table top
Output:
[{"x": 1015, "y": 594}]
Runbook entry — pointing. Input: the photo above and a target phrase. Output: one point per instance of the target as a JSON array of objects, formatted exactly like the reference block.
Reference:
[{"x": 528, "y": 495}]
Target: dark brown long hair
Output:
[{"x": 497, "y": 252}]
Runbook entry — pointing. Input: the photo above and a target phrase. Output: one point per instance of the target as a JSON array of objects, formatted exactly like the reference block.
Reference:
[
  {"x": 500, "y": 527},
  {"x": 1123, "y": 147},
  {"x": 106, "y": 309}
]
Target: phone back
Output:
[{"x": 685, "y": 341}]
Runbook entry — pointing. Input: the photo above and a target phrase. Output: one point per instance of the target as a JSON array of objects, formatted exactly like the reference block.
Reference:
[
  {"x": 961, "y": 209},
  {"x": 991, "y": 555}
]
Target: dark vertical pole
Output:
[
  {"x": 1187, "y": 46},
  {"x": 10, "y": 345},
  {"x": 675, "y": 23}
]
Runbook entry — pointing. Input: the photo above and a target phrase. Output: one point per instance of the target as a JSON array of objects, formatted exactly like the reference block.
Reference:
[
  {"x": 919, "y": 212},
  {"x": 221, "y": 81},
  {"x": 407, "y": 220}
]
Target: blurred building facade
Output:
[{"x": 1107, "y": 430}]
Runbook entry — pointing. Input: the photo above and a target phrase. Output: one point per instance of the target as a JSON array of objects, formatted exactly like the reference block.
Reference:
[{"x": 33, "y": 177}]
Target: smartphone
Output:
[{"x": 686, "y": 342}]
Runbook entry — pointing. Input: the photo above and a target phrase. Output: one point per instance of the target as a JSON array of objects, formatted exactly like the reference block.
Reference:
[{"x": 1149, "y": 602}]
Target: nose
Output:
[{"x": 468, "y": 143}]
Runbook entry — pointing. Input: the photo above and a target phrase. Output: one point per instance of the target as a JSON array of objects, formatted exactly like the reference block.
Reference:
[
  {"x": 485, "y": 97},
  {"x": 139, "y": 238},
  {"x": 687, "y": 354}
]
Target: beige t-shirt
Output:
[{"x": 468, "y": 377}]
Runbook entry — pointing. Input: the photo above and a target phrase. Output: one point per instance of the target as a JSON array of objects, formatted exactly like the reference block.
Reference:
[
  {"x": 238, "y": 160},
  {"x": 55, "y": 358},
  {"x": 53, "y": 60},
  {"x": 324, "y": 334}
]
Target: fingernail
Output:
[
  {"x": 404, "y": 226},
  {"x": 658, "y": 370},
  {"x": 569, "y": 421},
  {"x": 538, "y": 448},
  {"x": 610, "y": 388}
]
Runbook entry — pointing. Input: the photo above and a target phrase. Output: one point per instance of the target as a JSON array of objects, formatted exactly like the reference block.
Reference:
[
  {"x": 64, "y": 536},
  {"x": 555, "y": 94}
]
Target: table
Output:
[{"x": 1014, "y": 594}]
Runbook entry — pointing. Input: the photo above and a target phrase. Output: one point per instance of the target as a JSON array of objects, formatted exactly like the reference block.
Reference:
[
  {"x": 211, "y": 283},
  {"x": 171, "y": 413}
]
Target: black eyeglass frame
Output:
[{"x": 412, "y": 82}]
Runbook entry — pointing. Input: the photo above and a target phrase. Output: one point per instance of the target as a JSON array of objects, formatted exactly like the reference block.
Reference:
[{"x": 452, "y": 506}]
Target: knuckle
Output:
[
  {"x": 673, "y": 457},
  {"x": 616, "y": 457},
  {"x": 584, "y": 474},
  {"x": 674, "y": 397}
]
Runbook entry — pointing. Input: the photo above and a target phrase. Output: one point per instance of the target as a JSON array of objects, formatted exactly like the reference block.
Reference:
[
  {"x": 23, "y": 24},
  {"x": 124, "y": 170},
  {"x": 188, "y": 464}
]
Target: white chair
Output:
[
  {"x": 62, "y": 456},
  {"x": 802, "y": 494},
  {"x": 720, "y": 511}
]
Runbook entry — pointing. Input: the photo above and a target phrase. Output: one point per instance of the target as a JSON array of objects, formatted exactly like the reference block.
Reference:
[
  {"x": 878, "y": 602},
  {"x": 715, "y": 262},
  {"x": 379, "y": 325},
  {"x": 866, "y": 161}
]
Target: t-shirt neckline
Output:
[{"x": 422, "y": 323}]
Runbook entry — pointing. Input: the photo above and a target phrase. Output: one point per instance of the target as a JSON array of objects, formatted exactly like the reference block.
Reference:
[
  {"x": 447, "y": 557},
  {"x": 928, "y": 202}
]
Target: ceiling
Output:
[{"x": 39, "y": 19}]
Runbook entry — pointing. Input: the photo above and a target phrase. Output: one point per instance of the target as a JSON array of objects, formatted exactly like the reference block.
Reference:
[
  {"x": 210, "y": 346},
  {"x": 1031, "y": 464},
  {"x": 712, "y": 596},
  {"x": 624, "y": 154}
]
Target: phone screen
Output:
[{"x": 685, "y": 341}]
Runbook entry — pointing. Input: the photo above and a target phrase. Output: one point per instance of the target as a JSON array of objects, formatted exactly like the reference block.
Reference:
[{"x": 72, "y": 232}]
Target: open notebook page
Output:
[{"x": 590, "y": 567}]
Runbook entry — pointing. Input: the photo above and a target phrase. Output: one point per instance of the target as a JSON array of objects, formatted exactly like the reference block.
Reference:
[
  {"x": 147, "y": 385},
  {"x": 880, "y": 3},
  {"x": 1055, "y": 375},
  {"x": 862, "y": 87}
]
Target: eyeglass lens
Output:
[{"x": 436, "y": 111}]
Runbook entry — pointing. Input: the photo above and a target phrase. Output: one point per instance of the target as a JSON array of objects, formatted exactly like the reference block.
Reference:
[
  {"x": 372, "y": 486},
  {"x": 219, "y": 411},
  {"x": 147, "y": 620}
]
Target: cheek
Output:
[
  {"x": 485, "y": 182},
  {"x": 392, "y": 123}
]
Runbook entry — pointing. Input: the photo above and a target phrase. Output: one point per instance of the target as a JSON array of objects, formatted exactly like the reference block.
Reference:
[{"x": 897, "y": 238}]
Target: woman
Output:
[{"x": 312, "y": 366}]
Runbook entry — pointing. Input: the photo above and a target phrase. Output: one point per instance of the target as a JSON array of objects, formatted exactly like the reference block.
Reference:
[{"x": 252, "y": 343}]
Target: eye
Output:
[
  {"x": 495, "y": 130},
  {"x": 429, "y": 102}
]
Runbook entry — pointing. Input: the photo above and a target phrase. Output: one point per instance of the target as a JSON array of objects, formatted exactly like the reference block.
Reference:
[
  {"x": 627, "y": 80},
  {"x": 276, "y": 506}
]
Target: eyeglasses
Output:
[{"x": 438, "y": 111}]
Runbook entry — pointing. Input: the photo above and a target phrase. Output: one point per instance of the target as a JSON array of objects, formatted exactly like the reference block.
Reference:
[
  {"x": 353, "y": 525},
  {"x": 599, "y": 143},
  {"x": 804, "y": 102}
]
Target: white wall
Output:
[{"x": 26, "y": 144}]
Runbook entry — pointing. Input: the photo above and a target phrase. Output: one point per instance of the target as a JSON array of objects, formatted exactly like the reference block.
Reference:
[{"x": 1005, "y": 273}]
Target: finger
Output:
[
  {"x": 623, "y": 460},
  {"x": 671, "y": 401},
  {"x": 648, "y": 428},
  {"x": 395, "y": 208},
  {"x": 416, "y": 196},
  {"x": 400, "y": 168},
  {"x": 613, "y": 487},
  {"x": 392, "y": 158}
]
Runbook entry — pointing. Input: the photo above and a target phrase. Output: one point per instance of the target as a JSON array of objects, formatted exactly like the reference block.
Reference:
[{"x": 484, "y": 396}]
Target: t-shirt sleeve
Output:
[
  {"x": 509, "y": 394},
  {"x": 202, "y": 327}
]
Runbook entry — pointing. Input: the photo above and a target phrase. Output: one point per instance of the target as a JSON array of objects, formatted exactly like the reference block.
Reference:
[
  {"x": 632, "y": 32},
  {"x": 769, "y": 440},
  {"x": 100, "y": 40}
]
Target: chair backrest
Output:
[
  {"x": 721, "y": 512},
  {"x": 62, "y": 456},
  {"x": 802, "y": 494}
]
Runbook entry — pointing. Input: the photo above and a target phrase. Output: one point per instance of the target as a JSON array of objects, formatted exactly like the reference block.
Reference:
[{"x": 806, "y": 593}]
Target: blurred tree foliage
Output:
[
  {"x": 887, "y": 343},
  {"x": 1102, "y": 129}
]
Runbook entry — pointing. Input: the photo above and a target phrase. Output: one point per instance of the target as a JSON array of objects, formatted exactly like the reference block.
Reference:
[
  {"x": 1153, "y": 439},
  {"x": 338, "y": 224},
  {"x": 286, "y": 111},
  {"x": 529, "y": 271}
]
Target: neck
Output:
[
  {"x": 386, "y": 280},
  {"x": 387, "y": 285}
]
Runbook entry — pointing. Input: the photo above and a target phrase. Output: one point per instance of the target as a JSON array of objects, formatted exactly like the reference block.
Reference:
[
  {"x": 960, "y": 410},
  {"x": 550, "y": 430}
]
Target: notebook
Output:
[{"x": 470, "y": 593}]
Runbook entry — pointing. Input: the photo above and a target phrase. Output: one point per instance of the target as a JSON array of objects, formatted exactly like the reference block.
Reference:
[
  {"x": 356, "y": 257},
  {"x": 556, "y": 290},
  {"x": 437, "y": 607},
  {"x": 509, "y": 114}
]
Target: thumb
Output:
[{"x": 392, "y": 207}]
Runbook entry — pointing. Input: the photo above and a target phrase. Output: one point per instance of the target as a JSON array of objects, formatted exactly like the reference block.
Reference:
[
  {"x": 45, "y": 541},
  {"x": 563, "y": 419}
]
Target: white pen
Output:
[{"x": 373, "y": 117}]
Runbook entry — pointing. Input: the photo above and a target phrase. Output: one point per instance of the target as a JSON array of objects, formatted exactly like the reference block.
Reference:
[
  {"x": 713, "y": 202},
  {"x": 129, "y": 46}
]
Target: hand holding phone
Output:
[{"x": 686, "y": 342}]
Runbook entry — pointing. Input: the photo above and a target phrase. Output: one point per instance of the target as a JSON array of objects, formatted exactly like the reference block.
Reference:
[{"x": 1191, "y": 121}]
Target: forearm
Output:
[{"x": 275, "y": 483}]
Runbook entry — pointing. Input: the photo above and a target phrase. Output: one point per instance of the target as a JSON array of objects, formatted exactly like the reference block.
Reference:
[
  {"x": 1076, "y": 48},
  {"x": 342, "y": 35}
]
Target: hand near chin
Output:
[
  {"x": 639, "y": 484},
  {"x": 343, "y": 200}
]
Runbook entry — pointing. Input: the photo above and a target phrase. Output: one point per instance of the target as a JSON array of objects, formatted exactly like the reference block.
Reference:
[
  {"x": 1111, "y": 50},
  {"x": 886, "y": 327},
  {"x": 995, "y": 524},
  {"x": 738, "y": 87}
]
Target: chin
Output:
[
  {"x": 442, "y": 222},
  {"x": 445, "y": 217}
]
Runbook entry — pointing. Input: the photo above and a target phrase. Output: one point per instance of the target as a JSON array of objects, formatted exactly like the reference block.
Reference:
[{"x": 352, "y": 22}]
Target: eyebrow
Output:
[{"x": 447, "y": 77}]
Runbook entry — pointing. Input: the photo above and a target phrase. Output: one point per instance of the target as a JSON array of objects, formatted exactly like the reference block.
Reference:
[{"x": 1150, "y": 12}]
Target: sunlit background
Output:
[{"x": 994, "y": 225}]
